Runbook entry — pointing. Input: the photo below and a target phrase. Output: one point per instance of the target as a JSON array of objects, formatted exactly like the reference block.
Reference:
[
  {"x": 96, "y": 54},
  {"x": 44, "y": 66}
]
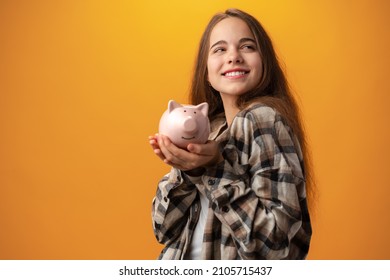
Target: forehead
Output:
[{"x": 230, "y": 29}]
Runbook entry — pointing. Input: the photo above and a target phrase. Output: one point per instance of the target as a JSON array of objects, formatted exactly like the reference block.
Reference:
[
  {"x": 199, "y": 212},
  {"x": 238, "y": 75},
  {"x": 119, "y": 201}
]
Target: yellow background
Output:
[{"x": 83, "y": 84}]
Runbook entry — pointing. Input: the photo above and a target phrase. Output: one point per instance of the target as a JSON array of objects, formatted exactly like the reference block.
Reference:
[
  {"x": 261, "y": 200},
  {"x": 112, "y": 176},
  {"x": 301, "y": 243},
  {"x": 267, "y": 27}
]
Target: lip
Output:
[{"x": 242, "y": 70}]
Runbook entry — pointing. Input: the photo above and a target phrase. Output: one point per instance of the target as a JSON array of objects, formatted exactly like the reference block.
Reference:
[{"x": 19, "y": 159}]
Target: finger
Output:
[
  {"x": 159, "y": 154},
  {"x": 153, "y": 143},
  {"x": 157, "y": 150},
  {"x": 150, "y": 137},
  {"x": 207, "y": 149},
  {"x": 174, "y": 155},
  {"x": 171, "y": 152},
  {"x": 163, "y": 144}
]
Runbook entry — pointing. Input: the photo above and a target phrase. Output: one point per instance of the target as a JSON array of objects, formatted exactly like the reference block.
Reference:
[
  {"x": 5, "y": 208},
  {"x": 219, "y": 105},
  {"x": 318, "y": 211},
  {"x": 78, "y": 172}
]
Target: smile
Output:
[
  {"x": 235, "y": 73},
  {"x": 186, "y": 138}
]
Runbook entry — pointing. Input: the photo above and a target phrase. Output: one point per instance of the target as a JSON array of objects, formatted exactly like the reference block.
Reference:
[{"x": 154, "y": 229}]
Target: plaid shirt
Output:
[{"x": 257, "y": 197}]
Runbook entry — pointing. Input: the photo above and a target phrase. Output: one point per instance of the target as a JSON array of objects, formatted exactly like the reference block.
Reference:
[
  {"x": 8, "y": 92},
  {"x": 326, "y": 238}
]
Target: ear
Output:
[
  {"x": 204, "y": 108},
  {"x": 173, "y": 105}
]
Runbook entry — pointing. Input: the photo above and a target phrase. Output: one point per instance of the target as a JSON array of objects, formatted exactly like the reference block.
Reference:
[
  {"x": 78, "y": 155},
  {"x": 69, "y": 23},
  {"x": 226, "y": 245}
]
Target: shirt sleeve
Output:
[
  {"x": 173, "y": 198},
  {"x": 256, "y": 191}
]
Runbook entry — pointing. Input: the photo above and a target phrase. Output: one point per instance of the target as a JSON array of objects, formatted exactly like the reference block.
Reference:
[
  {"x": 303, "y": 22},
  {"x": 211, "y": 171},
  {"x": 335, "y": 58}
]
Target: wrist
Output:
[
  {"x": 195, "y": 172},
  {"x": 216, "y": 161}
]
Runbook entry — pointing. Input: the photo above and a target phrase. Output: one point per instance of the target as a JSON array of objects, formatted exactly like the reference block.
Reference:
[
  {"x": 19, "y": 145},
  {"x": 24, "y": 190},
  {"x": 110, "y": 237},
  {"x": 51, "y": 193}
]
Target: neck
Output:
[{"x": 230, "y": 108}]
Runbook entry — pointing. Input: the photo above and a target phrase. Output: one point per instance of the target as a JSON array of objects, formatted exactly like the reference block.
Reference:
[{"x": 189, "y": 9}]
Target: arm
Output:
[
  {"x": 256, "y": 191},
  {"x": 170, "y": 207}
]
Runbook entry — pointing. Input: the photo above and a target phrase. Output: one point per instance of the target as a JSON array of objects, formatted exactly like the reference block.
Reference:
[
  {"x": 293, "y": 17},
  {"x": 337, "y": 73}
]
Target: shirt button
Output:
[
  {"x": 211, "y": 182},
  {"x": 225, "y": 209}
]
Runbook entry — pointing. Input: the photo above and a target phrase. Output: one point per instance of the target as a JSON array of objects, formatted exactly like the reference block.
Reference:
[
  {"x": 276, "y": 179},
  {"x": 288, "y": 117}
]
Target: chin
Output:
[{"x": 236, "y": 91}]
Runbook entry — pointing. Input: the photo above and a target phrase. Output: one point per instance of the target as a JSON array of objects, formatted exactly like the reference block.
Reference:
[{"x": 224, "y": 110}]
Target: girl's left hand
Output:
[{"x": 196, "y": 155}]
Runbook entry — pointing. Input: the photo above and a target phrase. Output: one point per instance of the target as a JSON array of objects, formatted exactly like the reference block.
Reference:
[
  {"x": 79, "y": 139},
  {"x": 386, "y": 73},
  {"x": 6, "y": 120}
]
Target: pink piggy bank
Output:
[{"x": 185, "y": 124}]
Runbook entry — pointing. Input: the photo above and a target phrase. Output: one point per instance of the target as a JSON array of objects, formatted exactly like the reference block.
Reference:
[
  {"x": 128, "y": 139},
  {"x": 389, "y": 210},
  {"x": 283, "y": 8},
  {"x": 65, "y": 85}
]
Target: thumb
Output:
[
  {"x": 194, "y": 148},
  {"x": 210, "y": 148}
]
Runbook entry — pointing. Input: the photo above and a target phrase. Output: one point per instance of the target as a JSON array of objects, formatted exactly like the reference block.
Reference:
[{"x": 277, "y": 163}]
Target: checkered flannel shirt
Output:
[{"x": 257, "y": 197}]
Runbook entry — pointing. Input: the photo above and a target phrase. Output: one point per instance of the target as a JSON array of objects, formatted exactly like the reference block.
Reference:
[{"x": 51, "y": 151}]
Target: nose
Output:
[
  {"x": 189, "y": 125},
  {"x": 234, "y": 56}
]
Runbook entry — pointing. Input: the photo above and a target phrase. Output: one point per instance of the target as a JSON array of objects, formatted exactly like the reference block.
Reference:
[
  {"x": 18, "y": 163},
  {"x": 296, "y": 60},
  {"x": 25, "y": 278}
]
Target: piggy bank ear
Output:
[
  {"x": 173, "y": 105},
  {"x": 204, "y": 108}
]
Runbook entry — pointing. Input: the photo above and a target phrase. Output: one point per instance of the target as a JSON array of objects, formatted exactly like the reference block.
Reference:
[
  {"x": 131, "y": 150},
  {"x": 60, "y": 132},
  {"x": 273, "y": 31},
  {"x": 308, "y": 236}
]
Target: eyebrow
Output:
[{"x": 242, "y": 40}]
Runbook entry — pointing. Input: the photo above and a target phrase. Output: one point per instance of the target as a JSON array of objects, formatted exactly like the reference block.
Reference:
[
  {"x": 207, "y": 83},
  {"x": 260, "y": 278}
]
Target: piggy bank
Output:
[{"x": 185, "y": 124}]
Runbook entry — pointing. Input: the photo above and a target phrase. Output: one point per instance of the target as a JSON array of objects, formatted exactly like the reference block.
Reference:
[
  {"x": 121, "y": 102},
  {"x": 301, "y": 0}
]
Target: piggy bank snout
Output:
[{"x": 189, "y": 125}]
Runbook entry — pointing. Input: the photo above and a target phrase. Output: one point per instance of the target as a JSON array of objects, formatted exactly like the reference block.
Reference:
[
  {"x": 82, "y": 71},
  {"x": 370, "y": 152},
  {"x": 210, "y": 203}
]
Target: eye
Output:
[
  {"x": 219, "y": 50},
  {"x": 248, "y": 47},
  {"x": 195, "y": 113},
  {"x": 185, "y": 111}
]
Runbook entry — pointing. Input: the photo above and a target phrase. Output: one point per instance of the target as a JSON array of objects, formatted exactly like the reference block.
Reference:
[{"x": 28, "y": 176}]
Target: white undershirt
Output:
[{"x": 195, "y": 250}]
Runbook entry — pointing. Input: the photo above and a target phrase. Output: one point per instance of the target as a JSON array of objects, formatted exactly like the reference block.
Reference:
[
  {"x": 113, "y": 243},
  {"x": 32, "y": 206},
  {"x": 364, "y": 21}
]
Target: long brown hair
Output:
[{"x": 273, "y": 89}]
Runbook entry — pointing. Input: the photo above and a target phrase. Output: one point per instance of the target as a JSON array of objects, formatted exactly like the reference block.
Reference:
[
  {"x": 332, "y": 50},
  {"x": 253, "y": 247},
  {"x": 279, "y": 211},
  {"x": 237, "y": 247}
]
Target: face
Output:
[{"x": 234, "y": 64}]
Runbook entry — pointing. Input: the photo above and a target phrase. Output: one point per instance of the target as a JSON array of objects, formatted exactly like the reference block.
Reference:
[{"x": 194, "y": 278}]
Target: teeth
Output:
[{"x": 236, "y": 73}]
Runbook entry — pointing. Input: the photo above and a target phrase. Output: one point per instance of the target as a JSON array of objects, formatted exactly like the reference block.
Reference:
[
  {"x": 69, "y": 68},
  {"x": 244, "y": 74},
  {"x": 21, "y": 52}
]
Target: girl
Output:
[{"x": 242, "y": 195}]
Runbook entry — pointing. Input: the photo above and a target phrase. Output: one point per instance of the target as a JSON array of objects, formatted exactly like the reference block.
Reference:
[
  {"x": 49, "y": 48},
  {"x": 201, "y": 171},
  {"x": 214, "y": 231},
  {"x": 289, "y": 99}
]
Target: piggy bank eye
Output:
[
  {"x": 195, "y": 113},
  {"x": 185, "y": 111}
]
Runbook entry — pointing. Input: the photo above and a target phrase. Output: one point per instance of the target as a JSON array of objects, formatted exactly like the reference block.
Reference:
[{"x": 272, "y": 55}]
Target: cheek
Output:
[
  {"x": 210, "y": 70},
  {"x": 209, "y": 66},
  {"x": 213, "y": 65},
  {"x": 259, "y": 70}
]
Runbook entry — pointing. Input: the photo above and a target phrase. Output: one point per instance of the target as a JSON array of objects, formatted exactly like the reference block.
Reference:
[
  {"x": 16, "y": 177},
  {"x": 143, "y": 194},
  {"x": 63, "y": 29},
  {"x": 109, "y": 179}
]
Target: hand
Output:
[
  {"x": 156, "y": 148},
  {"x": 196, "y": 155}
]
